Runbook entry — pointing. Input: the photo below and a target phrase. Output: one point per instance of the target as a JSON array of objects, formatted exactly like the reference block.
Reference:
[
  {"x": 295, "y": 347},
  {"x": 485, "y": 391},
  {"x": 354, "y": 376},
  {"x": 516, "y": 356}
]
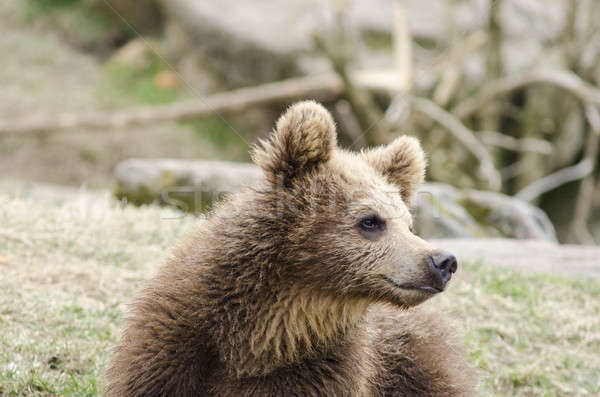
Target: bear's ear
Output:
[
  {"x": 402, "y": 162},
  {"x": 303, "y": 139}
]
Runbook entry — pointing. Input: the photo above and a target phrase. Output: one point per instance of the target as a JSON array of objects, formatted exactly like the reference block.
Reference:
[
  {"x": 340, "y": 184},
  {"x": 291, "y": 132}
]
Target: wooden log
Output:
[{"x": 321, "y": 87}]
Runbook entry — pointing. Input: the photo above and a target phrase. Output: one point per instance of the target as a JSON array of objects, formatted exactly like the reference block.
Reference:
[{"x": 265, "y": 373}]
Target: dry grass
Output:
[
  {"x": 529, "y": 334},
  {"x": 65, "y": 273},
  {"x": 67, "y": 270}
]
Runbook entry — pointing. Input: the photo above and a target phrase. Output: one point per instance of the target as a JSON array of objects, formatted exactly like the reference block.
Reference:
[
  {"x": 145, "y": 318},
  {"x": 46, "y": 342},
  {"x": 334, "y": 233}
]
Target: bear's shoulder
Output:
[{"x": 418, "y": 354}]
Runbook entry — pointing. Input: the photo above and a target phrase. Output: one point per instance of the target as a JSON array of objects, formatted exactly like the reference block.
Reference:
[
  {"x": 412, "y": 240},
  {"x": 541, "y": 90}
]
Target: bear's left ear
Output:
[
  {"x": 303, "y": 139},
  {"x": 402, "y": 162}
]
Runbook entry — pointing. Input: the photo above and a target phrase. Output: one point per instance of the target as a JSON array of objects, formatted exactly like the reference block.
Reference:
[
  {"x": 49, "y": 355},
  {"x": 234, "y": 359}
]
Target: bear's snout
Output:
[{"x": 443, "y": 264}]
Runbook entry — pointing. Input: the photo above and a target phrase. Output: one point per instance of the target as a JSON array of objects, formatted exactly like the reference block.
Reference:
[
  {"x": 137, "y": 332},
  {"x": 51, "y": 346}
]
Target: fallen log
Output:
[{"x": 322, "y": 87}]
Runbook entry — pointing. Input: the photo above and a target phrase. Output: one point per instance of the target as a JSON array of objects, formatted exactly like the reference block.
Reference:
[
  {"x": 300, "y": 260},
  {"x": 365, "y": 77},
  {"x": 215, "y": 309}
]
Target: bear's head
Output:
[{"x": 343, "y": 223}]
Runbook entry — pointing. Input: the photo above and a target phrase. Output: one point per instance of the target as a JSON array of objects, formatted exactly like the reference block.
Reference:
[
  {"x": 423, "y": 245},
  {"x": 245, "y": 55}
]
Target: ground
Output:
[
  {"x": 68, "y": 270},
  {"x": 531, "y": 255}
]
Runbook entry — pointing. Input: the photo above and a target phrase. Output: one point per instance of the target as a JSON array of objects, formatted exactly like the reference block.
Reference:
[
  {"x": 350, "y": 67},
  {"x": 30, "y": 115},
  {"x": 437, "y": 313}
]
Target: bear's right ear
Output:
[{"x": 303, "y": 139}]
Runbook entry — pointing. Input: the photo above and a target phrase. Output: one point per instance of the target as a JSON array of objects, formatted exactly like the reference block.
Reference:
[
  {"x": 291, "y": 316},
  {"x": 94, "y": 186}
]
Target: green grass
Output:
[
  {"x": 220, "y": 133},
  {"x": 136, "y": 84},
  {"x": 67, "y": 271},
  {"x": 529, "y": 334},
  {"x": 65, "y": 274}
]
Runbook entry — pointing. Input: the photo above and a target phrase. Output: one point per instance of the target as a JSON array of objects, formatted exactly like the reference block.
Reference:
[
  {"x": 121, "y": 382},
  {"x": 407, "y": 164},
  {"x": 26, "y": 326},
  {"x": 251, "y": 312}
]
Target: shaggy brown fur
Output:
[{"x": 281, "y": 293}]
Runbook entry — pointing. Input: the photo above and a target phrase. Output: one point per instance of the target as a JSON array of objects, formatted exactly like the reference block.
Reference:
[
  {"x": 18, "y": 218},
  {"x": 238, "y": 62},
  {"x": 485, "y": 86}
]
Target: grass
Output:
[
  {"x": 529, "y": 334},
  {"x": 67, "y": 271},
  {"x": 221, "y": 133},
  {"x": 136, "y": 84}
]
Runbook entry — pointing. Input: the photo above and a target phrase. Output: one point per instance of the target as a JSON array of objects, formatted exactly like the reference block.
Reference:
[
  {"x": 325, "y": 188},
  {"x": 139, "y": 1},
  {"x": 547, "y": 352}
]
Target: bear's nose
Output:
[{"x": 443, "y": 265}]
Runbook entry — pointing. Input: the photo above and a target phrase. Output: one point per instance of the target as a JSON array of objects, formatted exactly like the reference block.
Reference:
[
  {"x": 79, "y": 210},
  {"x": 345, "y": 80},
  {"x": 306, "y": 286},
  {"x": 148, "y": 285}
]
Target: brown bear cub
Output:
[{"x": 301, "y": 286}]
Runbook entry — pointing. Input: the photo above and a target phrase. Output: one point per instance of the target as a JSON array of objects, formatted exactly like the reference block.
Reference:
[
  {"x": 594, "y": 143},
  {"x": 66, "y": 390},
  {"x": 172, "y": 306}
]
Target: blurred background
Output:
[
  {"x": 503, "y": 94},
  {"x": 110, "y": 106}
]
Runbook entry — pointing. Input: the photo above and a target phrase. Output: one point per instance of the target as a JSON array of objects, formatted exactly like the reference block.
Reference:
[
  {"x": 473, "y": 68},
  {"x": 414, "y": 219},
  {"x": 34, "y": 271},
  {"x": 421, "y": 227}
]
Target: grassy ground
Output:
[{"x": 67, "y": 270}]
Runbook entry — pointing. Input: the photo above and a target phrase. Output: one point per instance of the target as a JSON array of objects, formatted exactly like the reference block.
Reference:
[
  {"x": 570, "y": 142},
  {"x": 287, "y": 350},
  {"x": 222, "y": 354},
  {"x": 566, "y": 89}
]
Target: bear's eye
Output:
[{"x": 371, "y": 225}]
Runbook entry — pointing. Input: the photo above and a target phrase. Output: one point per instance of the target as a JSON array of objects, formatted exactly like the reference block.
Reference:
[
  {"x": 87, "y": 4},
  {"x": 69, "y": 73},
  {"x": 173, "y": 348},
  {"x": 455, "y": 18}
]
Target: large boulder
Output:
[
  {"x": 189, "y": 185},
  {"x": 441, "y": 211},
  {"x": 248, "y": 42}
]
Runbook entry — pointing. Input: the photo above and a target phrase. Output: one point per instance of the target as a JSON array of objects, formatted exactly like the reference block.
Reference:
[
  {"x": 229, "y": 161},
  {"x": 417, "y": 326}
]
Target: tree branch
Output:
[
  {"x": 565, "y": 80},
  {"x": 460, "y": 51},
  {"x": 516, "y": 145},
  {"x": 487, "y": 170},
  {"x": 403, "y": 58},
  {"x": 348, "y": 120},
  {"x": 513, "y": 170},
  {"x": 554, "y": 180},
  {"x": 373, "y": 125},
  {"x": 318, "y": 87},
  {"x": 583, "y": 204}
]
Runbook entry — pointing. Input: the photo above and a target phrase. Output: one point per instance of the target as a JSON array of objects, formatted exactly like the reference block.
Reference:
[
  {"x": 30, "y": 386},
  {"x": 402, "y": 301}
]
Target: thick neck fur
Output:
[
  {"x": 290, "y": 329},
  {"x": 260, "y": 321}
]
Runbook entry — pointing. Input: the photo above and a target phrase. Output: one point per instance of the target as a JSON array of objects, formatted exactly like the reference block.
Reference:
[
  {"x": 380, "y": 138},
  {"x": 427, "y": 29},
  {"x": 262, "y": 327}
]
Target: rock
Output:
[
  {"x": 441, "y": 211},
  {"x": 283, "y": 26},
  {"x": 188, "y": 185},
  {"x": 196, "y": 37},
  {"x": 438, "y": 214},
  {"x": 255, "y": 42}
]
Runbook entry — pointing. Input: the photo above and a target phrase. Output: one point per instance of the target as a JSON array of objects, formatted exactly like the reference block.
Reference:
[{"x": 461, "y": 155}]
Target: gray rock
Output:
[
  {"x": 441, "y": 211},
  {"x": 257, "y": 41},
  {"x": 188, "y": 185},
  {"x": 196, "y": 34},
  {"x": 438, "y": 214}
]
